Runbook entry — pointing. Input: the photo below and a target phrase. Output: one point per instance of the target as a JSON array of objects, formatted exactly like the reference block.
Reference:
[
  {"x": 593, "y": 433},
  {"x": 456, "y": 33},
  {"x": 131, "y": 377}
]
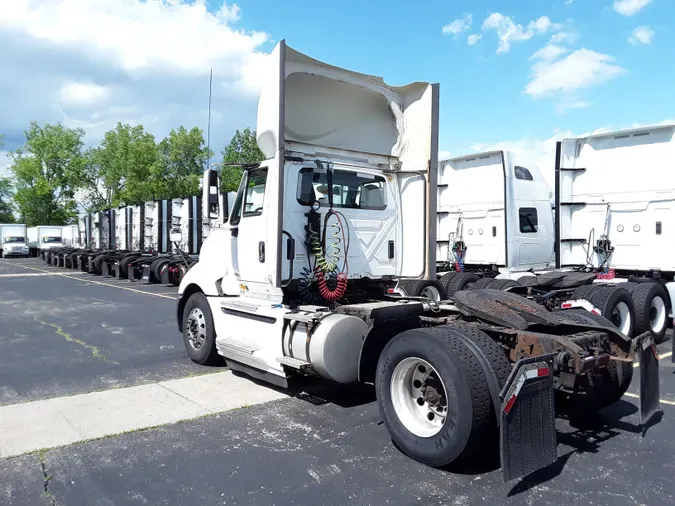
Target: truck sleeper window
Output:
[
  {"x": 529, "y": 221},
  {"x": 351, "y": 190}
]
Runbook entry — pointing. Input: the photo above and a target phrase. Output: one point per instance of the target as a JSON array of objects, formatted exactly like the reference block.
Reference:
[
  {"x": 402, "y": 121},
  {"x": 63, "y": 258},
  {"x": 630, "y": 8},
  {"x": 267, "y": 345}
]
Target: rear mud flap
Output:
[
  {"x": 105, "y": 270},
  {"x": 649, "y": 378},
  {"x": 527, "y": 431},
  {"x": 164, "y": 275},
  {"x": 147, "y": 275},
  {"x": 116, "y": 270}
]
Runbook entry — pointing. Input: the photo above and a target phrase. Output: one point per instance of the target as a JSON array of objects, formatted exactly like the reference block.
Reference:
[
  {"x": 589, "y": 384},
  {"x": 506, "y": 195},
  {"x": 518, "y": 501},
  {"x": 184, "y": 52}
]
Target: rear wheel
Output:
[
  {"x": 483, "y": 283},
  {"x": 423, "y": 288},
  {"x": 615, "y": 304},
  {"x": 433, "y": 395},
  {"x": 651, "y": 309},
  {"x": 459, "y": 282},
  {"x": 503, "y": 284}
]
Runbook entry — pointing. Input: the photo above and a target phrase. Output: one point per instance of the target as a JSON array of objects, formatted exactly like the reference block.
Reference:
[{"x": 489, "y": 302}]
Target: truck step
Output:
[
  {"x": 232, "y": 345},
  {"x": 573, "y": 203},
  {"x": 573, "y": 169},
  {"x": 570, "y": 239},
  {"x": 295, "y": 363}
]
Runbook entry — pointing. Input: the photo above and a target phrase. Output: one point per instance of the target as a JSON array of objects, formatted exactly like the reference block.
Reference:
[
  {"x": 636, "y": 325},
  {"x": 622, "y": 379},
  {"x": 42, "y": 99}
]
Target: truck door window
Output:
[
  {"x": 522, "y": 173},
  {"x": 255, "y": 193},
  {"x": 528, "y": 220},
  {"x": 351, "y": 190}
]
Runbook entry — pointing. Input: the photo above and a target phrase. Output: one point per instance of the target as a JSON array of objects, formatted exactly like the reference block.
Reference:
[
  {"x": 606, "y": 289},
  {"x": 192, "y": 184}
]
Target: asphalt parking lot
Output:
[{"x": 62, "y": 338}]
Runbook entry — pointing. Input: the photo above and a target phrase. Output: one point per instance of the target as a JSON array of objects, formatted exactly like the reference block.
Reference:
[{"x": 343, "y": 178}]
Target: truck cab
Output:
[{"x": 13, "y": 240}]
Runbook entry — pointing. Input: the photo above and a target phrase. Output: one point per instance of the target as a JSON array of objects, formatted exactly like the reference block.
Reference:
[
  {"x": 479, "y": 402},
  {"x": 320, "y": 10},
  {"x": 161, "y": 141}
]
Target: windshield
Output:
[
  {"x": 51, "y": 239},
  {"x": 14, "y": 239}
]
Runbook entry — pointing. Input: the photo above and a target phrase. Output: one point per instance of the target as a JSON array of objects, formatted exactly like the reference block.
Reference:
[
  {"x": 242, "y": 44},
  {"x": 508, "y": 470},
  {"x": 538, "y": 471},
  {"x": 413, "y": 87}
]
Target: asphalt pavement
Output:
[{"x": 62, "y": 338}]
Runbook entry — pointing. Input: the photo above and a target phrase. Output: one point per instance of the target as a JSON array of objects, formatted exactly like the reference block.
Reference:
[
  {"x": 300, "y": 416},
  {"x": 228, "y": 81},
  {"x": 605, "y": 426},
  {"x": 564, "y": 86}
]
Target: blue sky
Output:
[
  {"x": 513, "y": 75},
  {"x": 483, "y": 97}
]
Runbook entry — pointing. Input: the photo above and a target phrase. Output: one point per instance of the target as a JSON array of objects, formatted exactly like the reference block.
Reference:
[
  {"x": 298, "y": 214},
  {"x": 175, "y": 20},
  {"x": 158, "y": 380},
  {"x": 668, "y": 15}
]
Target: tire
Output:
[
  {"x": 503, "y": 284},
  {"x": 198, "y": 326},
  {"x": 98, "y": 261},
  {"x": 423, "y": 288},
  {"x": 582, "y": 291},
  {"x": 609, "y": 386},
  {"x": 468, "y": 397},
  {"x": 445, "y": 279},
  {"x": 124, "y": 265},
  {"x": 483, "y": 283},
  {"x": 651, "y": 303},
  {"x": 615, "y": 304},
  {"x": 459, "y": 282}
]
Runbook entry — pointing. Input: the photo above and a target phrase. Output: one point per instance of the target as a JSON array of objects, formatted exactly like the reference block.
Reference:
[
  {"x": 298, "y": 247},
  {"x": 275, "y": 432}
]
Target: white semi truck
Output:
[
  {"x": 44, "y": 237},
  {"x": 13, "y": 240},
  {"x": 298, "y": 288}
]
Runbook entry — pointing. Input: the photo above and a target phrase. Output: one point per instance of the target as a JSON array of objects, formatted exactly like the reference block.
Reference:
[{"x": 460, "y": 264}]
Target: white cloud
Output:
[
  {"x": 444, "y": 154},
  {"x": 581, "y": 69},
  {"x": 458, "y": 25},
  {"x": 74, "y": 93},
  {"x": 561, "y": 37},
  {"x": 508, "y": 31},
  {"x": 93, "y": 63},
  {"x": 4, "y": 163},
  {"x": 549, "y": 52},
  {"x": 641, "y": 35},
  {"x": 629, "y": 7},
  {"x": 473, "y": 39}
]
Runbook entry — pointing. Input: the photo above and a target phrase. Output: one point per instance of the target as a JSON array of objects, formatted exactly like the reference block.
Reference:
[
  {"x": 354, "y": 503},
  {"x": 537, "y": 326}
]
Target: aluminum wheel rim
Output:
[
  {"x": 657, "y": 314},
  {"x": 196, "y": 328},
  {"x": 621, "y": 318},
  {"x": 431, "y": 292},
  {"x": 419, "y": 397}
]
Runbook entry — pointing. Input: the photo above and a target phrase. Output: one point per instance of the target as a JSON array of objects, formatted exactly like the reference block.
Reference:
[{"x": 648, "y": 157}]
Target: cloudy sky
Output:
[{"x": 513, "y": 74}]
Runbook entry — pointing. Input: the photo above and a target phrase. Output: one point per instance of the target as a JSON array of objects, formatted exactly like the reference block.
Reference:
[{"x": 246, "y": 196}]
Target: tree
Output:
[
  {"x": 243, "y": 148},
  {"x": 46, "y": 172},
  {"x": 181, "y": 160},
  {"x": 6, "y": 214},
  {"x": 119, "y": 170}
]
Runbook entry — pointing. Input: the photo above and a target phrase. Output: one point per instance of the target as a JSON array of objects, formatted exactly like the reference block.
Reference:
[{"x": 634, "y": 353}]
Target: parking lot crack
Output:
[
  {"x": 51, "y": 499},
  {"x": 95, "y": 352}
]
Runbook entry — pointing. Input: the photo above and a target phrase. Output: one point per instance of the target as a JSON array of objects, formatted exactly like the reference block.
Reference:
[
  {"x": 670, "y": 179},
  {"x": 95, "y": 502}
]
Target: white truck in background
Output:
[
  {"x": 613, "y": 222},
  {"x": 44, "y": 237},
  {"x": 13, "y": 240},
  {"x": 493, "y": 215},
  {"x": 298, "y": 289}
]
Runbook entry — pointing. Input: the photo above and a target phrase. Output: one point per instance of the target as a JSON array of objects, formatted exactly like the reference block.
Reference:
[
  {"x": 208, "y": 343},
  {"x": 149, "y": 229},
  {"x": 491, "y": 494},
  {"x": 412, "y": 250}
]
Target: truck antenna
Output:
[{"x": 208, "y": 128}]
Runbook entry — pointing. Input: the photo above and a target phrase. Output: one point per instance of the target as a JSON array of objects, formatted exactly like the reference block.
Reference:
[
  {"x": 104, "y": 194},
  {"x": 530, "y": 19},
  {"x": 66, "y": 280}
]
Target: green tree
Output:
[
  {"x": 46, "y": 172},
  {"x": 181, "y": 160},
  {"x": 243, "y": 148},
  {"x": 6, "y": 214},
  {"x": 119, "y": 170}
]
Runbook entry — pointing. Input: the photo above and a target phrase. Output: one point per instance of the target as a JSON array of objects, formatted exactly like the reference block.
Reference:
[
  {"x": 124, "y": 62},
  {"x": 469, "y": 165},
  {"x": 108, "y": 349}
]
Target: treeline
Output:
[{"x": 53, "y": 172}]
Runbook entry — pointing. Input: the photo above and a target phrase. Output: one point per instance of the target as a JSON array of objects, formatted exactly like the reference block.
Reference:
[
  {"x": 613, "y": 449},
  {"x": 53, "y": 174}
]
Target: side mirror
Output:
[
  {"x": 234, "y": 231},
  {"x": 210, "y": 195}
]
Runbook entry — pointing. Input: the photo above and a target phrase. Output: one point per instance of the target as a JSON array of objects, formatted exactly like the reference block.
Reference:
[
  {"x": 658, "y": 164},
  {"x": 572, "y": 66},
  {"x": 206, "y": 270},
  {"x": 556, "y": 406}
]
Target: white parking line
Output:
[
  {"x": 30, "y": 274},
  {"x": 70, "y": 276},
  {"x": 61, "y": 421}
]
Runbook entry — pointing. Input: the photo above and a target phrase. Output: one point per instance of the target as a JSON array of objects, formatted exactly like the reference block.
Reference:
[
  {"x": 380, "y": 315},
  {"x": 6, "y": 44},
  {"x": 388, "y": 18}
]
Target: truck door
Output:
[
  {"x": 248, "y": 225},
  {"x": 530, "y": 217}
]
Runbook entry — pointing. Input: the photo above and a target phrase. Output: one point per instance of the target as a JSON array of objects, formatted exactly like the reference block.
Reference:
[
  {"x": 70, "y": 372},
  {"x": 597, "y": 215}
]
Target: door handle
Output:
[{"x": 261, "y": 251}]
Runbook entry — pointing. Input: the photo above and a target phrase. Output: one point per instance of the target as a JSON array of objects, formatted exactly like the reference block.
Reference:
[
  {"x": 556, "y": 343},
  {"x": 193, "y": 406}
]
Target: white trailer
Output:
[
  {"x": 71, "y": 236},
  {"x": 44, "y": 237},
  {"x": 13, "y": 240},
  {"x": 297, "y": 288}
]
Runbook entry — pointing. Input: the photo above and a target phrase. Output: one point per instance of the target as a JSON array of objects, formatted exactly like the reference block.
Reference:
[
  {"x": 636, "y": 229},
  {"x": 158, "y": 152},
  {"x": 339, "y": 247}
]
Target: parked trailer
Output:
[
  {"x": 298, "y": 289},
  {"x": 13, "y": 240}
]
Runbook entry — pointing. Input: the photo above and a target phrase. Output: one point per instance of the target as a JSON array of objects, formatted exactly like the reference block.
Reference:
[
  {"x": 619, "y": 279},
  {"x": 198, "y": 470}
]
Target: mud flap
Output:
[
  {"x": 164, "y": 275},
  {"x": 649, "y": 377},
  {"x": 116, "y": 270},
  {"x": 527, "y": 431},
  {"x": 105, "y": 270},
  {"x": 145, "y": 278}
]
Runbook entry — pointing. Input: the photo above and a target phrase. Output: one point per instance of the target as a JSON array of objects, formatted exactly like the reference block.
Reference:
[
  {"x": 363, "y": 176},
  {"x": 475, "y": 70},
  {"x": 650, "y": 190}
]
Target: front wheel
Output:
[
  {"x": 433, "y": 396},
  {"x": 199, "y": 334}
]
